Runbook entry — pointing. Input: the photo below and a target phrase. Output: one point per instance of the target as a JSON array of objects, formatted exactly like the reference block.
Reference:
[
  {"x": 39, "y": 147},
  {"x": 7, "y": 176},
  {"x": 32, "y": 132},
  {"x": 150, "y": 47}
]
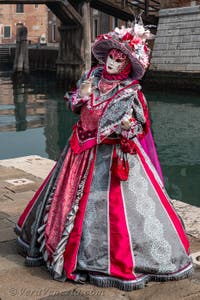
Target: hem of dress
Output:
[
  {"x": 104, "y": 280},
  {"x": 17, "y": 229},
  {"x": 126, "y": 285},
  {"x": 140, "y": 282},
  {"x": 181, "y": 274},
  {"x": 23, "y": 248}
]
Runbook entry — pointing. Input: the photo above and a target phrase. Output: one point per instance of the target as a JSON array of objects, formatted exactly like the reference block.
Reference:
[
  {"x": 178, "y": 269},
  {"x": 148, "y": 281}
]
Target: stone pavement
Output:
[{"x": 19, "y": 179}]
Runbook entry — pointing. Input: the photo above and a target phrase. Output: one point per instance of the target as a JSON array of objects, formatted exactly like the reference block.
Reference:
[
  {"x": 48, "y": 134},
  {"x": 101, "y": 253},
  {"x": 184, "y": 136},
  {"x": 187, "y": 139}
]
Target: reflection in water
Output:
[
  {"x": 38, "y": 104},
  {"x": 34, "y": 120},
  {"x": 176, "y": 127},
  {"x": 58, "y": 125},
  {"x": 20, "y": 101}
]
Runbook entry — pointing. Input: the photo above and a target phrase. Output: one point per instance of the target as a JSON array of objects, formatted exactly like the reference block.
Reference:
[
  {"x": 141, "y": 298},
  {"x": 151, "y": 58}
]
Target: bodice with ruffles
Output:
[
  {"x": 90, "y": 117},
  {"x": 101, "y": 114}
]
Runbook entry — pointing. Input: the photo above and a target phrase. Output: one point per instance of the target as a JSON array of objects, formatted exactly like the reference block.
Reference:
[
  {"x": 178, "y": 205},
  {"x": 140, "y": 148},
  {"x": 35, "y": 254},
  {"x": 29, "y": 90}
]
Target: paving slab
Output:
[
  {"x": 7, "y": 234},
  {"x": 13, "y": 218},
  {"x": 32, "y": 164},
  {"x": 5, "y": 193},
  {"x": 7, "y": 171},
  {"x": 191, "y": 217},
  {"x": 15, "y": 188},
  {"x": 17, "y": 180},
  {"x": 3, "y": 215},
  {"x": 5, "y": 223},
  {"x": 16, "y": 204}
]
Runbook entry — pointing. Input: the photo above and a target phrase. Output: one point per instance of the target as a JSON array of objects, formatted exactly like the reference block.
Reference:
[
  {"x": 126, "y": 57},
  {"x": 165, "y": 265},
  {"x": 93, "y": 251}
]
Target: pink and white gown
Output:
[{"x": 88, "y": 222}]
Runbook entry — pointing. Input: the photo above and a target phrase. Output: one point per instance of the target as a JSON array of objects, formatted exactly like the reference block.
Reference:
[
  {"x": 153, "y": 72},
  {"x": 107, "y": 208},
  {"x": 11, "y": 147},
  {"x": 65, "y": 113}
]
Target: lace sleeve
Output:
[{"x": 137, "y": 118}]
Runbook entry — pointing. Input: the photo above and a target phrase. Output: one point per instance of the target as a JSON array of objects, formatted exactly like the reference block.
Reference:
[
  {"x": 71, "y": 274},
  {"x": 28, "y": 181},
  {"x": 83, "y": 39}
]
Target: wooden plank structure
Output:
[
  {"x": 123, "y": 9},
  {"x": 75, "y": 31}
]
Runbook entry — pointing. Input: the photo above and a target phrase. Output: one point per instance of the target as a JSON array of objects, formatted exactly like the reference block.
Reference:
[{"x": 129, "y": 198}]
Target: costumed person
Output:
[{"x": 103, "y": 214}]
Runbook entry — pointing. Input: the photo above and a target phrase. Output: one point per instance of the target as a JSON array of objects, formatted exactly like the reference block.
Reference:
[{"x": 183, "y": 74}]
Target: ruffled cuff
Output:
[
  {"x": 74, "y": 100},
  {"x": 135, "y": 129}
]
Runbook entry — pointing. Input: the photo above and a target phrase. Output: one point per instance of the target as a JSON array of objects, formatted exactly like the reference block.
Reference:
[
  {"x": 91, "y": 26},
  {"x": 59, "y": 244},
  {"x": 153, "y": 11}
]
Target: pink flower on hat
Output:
[{"x": 131, "y": 41}]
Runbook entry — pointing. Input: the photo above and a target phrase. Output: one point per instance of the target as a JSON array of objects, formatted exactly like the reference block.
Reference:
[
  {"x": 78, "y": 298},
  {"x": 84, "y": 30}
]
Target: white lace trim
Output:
[{"x": 160, "y": 248}]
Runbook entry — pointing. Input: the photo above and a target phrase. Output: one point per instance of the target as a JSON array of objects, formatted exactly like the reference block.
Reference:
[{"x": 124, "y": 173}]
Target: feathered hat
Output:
[{"x": 131, "y": 41}]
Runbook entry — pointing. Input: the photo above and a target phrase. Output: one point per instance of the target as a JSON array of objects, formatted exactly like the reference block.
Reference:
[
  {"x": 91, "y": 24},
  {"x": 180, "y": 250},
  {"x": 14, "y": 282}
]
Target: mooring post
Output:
[{"x": 21, "y": 62}]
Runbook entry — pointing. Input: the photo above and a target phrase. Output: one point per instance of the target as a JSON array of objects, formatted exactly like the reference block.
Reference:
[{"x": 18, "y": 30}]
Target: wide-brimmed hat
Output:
[{"x": 131, "y": 41}]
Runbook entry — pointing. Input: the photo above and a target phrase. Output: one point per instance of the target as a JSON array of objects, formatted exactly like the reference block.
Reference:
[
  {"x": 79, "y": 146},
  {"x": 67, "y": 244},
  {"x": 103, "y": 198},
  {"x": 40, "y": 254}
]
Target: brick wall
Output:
[
  {"x": 177, "y": 42},
  {"x": 34, "y": 17}
]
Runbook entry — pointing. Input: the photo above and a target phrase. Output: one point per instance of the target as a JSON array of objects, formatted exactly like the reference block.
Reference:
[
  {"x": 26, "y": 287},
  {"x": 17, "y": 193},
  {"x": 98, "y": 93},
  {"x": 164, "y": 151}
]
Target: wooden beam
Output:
[
  {"x": 63, "y": 13},
  {"x": 72, "y": 11},
  {"x": 115, "y": 11},
  {"x": 87, "y": 34},
  {"x": 114, "y": 8},
  {"x": 146, "y": 11}
]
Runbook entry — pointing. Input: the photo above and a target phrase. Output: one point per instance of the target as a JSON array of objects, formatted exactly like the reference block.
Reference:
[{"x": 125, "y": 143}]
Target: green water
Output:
[
  {"x": 176, "y": 127},
  {"x": 34, "y": 120}
]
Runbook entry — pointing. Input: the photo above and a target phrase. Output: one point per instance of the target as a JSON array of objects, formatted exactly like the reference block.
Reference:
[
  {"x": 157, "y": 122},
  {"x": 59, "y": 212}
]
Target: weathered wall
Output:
[
  {"x": 34, "y": 17},
  {"x": 177, "y": 42}
]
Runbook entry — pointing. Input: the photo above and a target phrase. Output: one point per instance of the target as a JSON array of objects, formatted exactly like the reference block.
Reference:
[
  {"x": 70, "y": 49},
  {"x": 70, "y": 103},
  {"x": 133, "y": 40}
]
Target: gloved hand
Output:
[{"x": 86, "y": 88}]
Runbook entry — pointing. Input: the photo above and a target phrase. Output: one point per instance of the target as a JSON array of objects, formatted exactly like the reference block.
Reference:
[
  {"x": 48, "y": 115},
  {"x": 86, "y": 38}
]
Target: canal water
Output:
[{"x": 34, "y": 120}]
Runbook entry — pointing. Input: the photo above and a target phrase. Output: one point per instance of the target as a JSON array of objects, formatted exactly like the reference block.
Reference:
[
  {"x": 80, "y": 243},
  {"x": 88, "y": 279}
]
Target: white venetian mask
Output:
[{"x": 116, "y": 61}]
